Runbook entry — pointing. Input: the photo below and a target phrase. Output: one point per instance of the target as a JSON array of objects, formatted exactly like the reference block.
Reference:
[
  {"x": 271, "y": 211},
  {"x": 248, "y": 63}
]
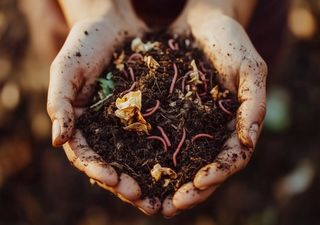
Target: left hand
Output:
[{"x": 242, "y": 71}]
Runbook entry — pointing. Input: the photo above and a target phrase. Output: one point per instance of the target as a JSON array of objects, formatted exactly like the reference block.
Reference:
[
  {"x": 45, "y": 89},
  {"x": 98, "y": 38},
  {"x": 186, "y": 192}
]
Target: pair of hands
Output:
[{"x": 89, "y": 48}]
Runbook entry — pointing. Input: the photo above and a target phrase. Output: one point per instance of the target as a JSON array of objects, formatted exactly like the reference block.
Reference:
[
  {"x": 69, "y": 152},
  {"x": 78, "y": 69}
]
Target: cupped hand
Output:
[
  {"x": 97, "y": 28},
  {"x": 243, "y": 72}
]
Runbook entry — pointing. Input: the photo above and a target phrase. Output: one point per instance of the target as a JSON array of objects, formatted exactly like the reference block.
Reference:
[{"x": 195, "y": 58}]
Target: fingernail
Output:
[
  {"x": 55, "y": 131},
  {"x": 253, "y": 134}
]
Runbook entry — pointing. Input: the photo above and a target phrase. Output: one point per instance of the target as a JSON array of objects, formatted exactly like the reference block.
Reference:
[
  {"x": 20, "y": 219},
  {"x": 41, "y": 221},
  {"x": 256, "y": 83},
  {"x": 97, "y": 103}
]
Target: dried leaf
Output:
[
  {"x": 138, "y": 127},
  {"x": 215, "y": 93},
  {"x": 119, "y": 61},
  {"x": 194, "y": 75},
  {"x": 131, "y": 99},
  {"x": 138, "y": 46},
  {"x": 158, "y": 171},
  {"x": 128, "y": 111},
  {"x": 151, "y": 62}
]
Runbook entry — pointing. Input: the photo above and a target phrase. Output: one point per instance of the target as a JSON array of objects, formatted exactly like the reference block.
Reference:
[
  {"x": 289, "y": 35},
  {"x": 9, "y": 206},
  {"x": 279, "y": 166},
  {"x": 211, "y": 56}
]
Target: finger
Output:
[
  {"x": 149, "y": 206},
  {"x": 252, "y": 96},
  {"x": 168, "y": 208},
  {"x": 89, "y": 162},
  {"x": 233, "y": 158},
  {"x": 188, "y": 196},
  {"x": 128, "y": 188}
]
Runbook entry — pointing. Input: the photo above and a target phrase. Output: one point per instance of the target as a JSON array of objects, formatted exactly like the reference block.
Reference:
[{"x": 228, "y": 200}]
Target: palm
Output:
[{"x": 242, "y": 71}]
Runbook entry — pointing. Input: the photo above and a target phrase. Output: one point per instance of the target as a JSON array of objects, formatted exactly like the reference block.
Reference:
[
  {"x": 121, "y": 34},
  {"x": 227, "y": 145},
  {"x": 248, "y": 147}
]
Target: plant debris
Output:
[{"x": 167, "y": 116}]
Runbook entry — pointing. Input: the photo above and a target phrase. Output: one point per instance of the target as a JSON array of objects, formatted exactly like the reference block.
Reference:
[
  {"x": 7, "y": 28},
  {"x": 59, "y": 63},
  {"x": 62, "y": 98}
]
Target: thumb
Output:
[
  {"x": 252, "y": 97},
  {"x": 87, "y": 49},
  {"x": 61, "y": 96}
]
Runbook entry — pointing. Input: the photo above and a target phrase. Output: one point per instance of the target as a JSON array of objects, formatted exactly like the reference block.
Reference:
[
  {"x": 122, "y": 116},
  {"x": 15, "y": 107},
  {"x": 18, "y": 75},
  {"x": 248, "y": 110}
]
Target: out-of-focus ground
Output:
[{"x": 280, "y": 186}]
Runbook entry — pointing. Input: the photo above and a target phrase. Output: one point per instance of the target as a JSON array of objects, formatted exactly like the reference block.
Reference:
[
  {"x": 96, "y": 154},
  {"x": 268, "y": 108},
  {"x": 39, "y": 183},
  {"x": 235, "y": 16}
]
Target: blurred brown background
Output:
[{"x": 281, "y": 185}]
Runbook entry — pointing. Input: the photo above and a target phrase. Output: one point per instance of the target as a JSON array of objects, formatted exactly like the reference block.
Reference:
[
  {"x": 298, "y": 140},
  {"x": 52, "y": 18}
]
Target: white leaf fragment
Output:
[
  {"x": 119, "y": 61},
  {"x": 194, "y": 75},
  {"x": 158, "y": 171},
  {"x": 138, "y": 46},
  {"x": 128, "y": 110},
  {"x": 151, "y": 62}
]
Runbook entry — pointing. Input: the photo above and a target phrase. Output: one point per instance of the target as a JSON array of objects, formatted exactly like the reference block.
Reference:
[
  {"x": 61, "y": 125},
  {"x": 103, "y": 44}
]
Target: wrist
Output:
[{"x": 198, "y": 11}]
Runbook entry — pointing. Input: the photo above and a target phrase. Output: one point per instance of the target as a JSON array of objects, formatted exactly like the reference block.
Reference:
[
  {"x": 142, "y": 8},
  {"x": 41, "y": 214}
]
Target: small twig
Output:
[
  {"x": 135, "y": 56},
  {"x": 153, "y": 109},
  {"x": 220, "y": 103},
  {"x": 164, "y": 135},
  {"x": 131, "y": 73},
  {"x": 159, "y": 139},
  {"x": 183, "y": 82},
  {"x": 172, "y": 45},
  {"x": 130, "y": 89},
  {"x": 202, "y": 135},
  {"x": 100, "y": 101},
  {"x": 174, "y": 78},
  {"x": 199, "y": 98},
  {"x": 174, "y": 157}
]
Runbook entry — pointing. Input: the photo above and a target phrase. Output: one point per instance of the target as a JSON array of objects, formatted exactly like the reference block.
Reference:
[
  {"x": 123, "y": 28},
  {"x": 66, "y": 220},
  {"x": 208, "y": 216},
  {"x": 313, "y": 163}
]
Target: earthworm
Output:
[
  {"x": 174, "y": 78},
  {"x": 153, "y": 109},
  {"x": 201, "y": 64},
  {"x": 135, "y": 56},
  {"x": 203, "y": 94},
  {"x": 195, "y": 137},
  {"x": 174, "y": 157},
  {"x": 172, "y": 45},
  {"x": 203, "y": 78},
  {"x": 130, "y": 89},
  {"x": 220, "y": 103},
  {"x": 131, "y": 73},
  {"x": 164, "y": 135},
  {"x": 159, "y": 139},
  {"x": 125, "y": 73}
]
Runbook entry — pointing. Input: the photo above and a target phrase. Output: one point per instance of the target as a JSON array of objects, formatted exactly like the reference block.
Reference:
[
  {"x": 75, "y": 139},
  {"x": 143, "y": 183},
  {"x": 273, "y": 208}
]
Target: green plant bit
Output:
[{"x": 106, "y": 84}]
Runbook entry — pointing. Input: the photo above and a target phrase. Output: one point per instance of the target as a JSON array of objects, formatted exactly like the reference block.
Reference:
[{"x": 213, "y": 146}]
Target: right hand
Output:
[{"x": 97, "y": 28}]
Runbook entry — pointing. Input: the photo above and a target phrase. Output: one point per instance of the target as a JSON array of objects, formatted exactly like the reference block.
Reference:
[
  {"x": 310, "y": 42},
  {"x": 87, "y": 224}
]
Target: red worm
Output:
[
  {"x": 153, "y": 109},
  {"x": 164, "y": 135},
  {"x": 131, "y": 73},
  {"x": 159, "y": 139},
  {"x": 195, "y": 137},
  {"x": 174, "y": 78},
  {"x": 172, "y": 45},
  {"x": 201, "y": 64},
  {"x": 203, "y": 78},
  {"x": 125, "y": 73},
  {"x": 135, "y": 56},
  {"x": 174, "y": 157},
  {"x": 130, "y": 89},
  {"x": 220, "y": 103}
]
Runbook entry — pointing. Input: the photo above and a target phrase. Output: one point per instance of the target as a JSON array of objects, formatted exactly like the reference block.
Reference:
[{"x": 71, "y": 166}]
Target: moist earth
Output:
[{"x": 197, "y": 107}]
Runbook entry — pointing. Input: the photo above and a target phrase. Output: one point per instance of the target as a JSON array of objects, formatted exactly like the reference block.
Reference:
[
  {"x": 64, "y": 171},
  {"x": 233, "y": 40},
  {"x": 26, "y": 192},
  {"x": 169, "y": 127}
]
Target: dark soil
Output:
[{"x": 130, "y": 151}]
